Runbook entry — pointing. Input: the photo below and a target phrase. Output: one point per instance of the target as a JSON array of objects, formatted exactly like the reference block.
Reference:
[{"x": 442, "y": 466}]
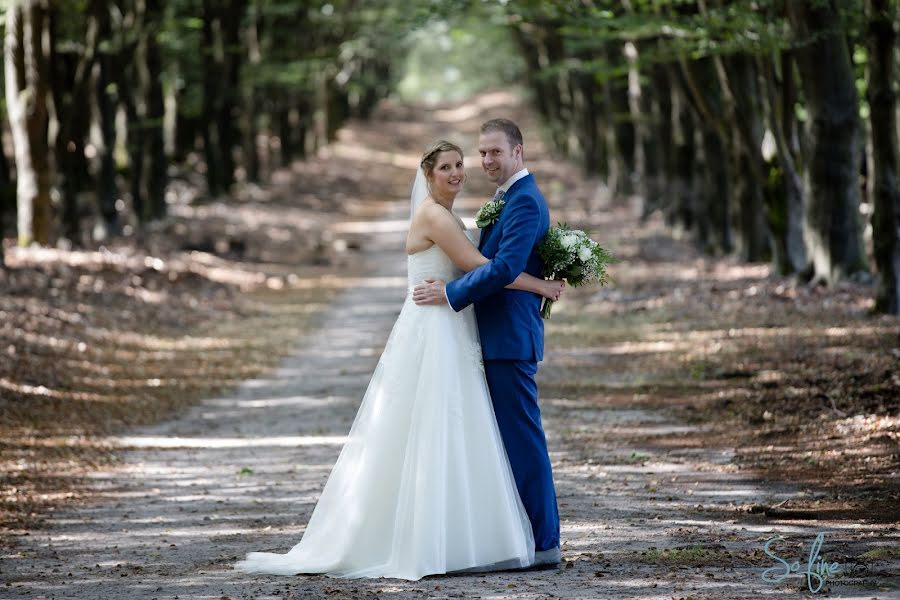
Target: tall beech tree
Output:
[
  {"x": 881, "y": 40},
  {"x": 26, "y": 80},
  {"x": 833, "y": 230},
  {"x": 71, "y": 70},
  {"x": 106, "y": 97}
]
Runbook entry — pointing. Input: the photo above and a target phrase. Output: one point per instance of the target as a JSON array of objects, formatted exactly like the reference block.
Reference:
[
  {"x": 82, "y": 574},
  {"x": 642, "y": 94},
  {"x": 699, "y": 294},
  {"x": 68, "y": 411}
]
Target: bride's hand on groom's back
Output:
[{"x": 431, "y": 292}]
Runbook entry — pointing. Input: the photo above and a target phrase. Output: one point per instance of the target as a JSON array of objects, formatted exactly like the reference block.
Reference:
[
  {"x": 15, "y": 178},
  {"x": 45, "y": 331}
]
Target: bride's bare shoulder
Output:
[
  {"x": 417, "y": 237},
  {"x": 435, "y": 214}
]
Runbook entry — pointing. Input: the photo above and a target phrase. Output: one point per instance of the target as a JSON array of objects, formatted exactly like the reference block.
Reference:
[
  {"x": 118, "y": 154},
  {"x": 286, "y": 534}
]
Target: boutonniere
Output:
[{"x": 489, "y": 213}]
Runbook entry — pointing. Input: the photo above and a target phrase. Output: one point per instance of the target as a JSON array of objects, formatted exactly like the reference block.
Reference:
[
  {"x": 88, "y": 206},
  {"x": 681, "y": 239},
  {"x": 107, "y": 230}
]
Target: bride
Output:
[{"x": 423, "y": 484}]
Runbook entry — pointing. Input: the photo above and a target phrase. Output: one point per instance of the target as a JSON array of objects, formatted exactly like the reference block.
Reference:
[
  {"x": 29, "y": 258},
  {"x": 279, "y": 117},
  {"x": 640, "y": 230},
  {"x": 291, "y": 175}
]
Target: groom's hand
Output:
[{"x": 430, "y": 292}]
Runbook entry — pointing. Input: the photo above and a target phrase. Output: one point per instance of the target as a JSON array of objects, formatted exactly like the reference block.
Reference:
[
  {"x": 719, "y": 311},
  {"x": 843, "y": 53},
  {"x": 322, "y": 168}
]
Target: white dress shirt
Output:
[{"x": 514, "y": 178}]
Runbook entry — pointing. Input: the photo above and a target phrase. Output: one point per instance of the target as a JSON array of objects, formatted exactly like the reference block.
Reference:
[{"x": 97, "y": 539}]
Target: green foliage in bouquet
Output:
[{"x": 571, "y": 255}]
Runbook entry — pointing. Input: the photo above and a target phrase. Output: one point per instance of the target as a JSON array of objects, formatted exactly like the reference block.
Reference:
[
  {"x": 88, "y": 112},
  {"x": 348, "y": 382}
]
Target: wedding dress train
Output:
[{"x": 423, "y": 484}]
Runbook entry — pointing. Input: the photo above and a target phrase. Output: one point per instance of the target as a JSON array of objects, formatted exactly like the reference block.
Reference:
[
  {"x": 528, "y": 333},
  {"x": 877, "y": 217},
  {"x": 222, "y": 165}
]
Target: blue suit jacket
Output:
[{"x": 509, "y": 321}]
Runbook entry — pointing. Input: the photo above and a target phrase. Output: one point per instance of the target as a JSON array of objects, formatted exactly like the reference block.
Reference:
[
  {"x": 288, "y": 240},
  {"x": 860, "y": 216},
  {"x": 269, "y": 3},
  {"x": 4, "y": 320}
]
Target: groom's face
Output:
[{"x": 499, "y": 158}]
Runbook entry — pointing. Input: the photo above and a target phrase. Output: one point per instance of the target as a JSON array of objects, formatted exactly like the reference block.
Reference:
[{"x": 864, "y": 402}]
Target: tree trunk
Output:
[
  {"x": 717, "y": 194},
  {"x": 754, "y": 239},
  {"x": 156, "y": 175},
  {"x": 524, "y": 36},
  {"x": 832, "y": 227},
  {"x": 655, "y": 133},
  {"x": 885, "y": 188},
  {"x": 128, "y": 78},
  {"x": 700, "y": 83},
  {"x": 337, "y": 108},
  {"x": 7, "y": 195},
  {"x": 585, "y": 112},
  {"x": 377, "y": 74},
  {"x": 739, "y": 79},
  {"x": 136, "y": 160},
  {"x": 623, "y": 129},
  {"x": 107, "y": 191},
  {"x": 784, "y": 190},
  {"x": 251, "y": 118},
  {"x": 213, "y": 76},
  {"x": 663, "y": 130},
  {"x": 541, "y": 48},
  {"x": 26, "y": 76},
  {"x": 188, "y": 128},
  {"x": 553, "y": 53},
  {"x": 287, "y": 147},
  {"x": 684, "y": 213},
  {"x": 227, "y": 117},
  {"x": 71, "y": 92}
]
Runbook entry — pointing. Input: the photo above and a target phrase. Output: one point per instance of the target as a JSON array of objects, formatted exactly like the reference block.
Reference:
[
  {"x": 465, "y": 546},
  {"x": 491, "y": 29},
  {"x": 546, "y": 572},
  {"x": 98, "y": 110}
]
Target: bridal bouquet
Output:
[{"x": 571, "y": 255}]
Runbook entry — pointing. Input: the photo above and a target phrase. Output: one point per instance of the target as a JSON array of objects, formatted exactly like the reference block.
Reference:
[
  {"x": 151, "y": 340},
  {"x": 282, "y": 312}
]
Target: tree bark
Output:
[
  {"x": 156, "y": 175},
  {"x": 884, "y": 189},
  {"x": 832, "y": 226},
  {"x": 295, "y": 121},
  {"x": 785, "y": 190},
  {"x": 26, "y": 77},
  {"x": 7, "y": 194},
  {"x": 655, "y": 133},
  {"x": 524, "y": 36},
  {"x": 250, "y": 153},
  {"x": 337, "y": 108},
  {"x": 213, "y": 76},
  {"x": 287, "y": 146},
  {"x": 684, "y": 213},
  {"x": 541, "y": 47},
  {"x": 227, "y": 118},
  {"x": 591, "y": 151},
  {"x": 71, "y": 92},
  {"x": 188, "y": 133},
  {"x": 105, "y": 107},
  {"x": 699, "y": 81},
  {"x": 624, "y": 159},
  {"x": 739, "y": 80},
  {"x": 128, "y": 78}
]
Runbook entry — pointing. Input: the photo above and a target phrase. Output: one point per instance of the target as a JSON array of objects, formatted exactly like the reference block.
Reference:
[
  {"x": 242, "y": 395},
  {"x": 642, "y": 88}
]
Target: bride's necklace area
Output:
[{"x": 446, "y": 203}]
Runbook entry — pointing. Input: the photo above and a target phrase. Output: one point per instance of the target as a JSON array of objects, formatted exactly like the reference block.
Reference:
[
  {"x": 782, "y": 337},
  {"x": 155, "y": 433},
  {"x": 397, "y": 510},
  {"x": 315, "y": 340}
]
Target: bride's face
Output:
[{"x": 448, "y": 174}]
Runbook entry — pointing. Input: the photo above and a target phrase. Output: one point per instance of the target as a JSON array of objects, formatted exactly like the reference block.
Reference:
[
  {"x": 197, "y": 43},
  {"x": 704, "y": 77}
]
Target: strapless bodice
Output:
[{"x": 431, "y": 263}]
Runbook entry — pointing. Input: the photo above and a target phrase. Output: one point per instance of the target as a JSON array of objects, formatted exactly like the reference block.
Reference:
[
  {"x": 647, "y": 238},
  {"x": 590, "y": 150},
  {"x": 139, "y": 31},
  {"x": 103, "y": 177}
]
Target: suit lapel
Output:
[
  {"x": 509, "y": 197},
  {"x": 513, "y": 190}
]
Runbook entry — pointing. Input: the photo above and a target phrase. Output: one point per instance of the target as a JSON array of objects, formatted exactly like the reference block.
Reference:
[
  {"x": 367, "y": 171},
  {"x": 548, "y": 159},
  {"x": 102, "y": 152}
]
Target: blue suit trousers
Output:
[{"x": 514, "y": 394}]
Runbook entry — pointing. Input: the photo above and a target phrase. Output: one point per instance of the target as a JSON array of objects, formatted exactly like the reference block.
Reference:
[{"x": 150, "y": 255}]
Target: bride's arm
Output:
[{"x": 441, "y": 228}]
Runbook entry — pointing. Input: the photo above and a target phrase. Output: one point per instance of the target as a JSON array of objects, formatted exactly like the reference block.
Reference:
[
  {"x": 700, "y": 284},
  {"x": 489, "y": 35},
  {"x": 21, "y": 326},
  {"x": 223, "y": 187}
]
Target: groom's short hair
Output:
[{"x": 510, "y": 129}]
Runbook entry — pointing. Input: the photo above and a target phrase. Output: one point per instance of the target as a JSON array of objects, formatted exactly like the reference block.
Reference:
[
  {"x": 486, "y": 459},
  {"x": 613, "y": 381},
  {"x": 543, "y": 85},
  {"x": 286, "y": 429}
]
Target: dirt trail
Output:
[{"x": 641, "y": 519}]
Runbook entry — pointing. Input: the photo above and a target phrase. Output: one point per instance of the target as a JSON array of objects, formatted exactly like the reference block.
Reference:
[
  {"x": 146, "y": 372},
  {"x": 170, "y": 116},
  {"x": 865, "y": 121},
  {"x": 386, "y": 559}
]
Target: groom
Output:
[{"x": 510, "y": 326}]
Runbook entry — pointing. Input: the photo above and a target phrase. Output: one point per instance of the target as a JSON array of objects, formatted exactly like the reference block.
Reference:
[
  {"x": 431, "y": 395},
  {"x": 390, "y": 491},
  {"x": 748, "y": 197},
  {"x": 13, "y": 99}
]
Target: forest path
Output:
[{"x": 242, "y": 472}]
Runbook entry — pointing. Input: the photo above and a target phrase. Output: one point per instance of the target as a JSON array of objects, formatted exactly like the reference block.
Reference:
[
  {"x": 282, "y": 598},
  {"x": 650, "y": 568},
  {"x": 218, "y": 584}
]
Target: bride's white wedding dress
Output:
[{"x": 423, "y": 484}]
